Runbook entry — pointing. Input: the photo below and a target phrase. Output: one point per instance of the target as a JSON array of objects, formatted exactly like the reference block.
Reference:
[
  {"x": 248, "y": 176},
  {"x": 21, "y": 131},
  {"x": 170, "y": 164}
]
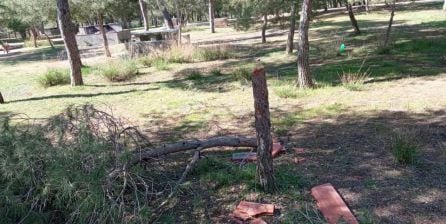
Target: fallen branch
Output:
[
  {"x": 229, "y": 141},
  {"x": 161, "y": 208}
]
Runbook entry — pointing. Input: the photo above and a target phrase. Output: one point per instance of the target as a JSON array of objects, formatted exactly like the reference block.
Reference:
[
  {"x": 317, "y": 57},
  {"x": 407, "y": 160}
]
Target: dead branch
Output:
[
  {"x": 221, "y": 141},
  {"x": 189, "y": 167}
]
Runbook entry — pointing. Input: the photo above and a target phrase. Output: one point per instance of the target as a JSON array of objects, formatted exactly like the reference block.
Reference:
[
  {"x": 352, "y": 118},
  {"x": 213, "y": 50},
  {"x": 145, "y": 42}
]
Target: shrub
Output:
[
  {"x": 71, "y": 170},
  {"x": 118, "y": 71},
  {"x": 405, "y": 150},
  {"x": 216, "y": 72},
  {"x": 195, "y": 75},
  {"x": 54, "y": 77},
  {"x": 354, "y": 80},
  {"x": 243, "y": 73},
  {"x": 213, "y": 53},
  {"x": 40, "y": 43},
  {"x": 288, "y": 91}
]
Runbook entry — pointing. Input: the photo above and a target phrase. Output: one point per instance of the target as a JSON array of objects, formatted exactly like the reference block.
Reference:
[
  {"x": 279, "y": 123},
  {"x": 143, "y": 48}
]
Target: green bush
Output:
[
  {"x": 243, "y": 73},
  {"x": 216, "y": 72},
  {"x": 404, "y": 150},
  {"x": 213, "y": 53},
  {"x": 195, "y": 75},
  {"x": 288, "y": 91},
  {"x": 54, "y": 77},
  {"x": 40, "y": 43},
  {"x": 118, "y": 71},
  {"x": 69, "y": 171}
]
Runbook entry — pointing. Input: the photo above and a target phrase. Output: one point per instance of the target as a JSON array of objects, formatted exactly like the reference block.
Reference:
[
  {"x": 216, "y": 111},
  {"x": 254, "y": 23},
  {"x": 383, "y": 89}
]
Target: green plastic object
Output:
[{"x": 342, "y": 48}]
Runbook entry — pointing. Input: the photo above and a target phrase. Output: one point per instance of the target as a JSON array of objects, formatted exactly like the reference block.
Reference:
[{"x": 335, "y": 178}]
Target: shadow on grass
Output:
[
  {"x": 38, "y": 54},
  {"x": 81, "y": 95},
  {"x": 351, "y": 151}
]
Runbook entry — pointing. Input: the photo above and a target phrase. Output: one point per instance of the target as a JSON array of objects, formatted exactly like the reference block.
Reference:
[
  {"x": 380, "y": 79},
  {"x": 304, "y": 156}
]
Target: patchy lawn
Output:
[{"x": 348, "y": 132}]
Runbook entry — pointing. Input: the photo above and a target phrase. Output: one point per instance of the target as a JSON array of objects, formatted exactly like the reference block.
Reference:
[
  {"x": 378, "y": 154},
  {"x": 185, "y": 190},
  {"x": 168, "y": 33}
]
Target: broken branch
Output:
[{"x": 221, "y": 141}]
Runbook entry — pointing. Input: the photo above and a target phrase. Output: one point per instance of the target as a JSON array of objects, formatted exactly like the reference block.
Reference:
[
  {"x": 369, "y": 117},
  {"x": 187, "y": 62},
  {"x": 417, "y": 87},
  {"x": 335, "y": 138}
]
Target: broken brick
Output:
[
  {"x": 299, "y": 150},
  {"x": 332, "y": 205},
  {"x": 258, "y": 221},
  {"x": 298, "y": 160},
  {"x": 246, "y": 210},
  {"x": 252, "y": 156}
]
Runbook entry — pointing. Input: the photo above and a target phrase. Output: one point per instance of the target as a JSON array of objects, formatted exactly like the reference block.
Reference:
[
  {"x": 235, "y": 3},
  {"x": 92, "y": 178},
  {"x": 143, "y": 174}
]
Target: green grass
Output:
[
  {"x": 405, "y": 150},
  {"x": 54, "y": 77},
  {"x": 119, "y": 71}
]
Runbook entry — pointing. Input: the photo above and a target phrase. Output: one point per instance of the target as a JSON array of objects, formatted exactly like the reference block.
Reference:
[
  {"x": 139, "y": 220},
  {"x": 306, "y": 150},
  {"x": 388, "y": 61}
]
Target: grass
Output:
[
  {"x": 54, "y": 77},
  {"x": 119, "y": 71},
  {"x": 405, "y": 150},
  {"x": 183, "y": 96}
]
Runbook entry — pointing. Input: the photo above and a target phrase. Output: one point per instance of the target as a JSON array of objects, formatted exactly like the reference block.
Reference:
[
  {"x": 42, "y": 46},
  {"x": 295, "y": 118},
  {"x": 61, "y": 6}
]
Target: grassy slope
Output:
[{"x": 167, "y": 106}]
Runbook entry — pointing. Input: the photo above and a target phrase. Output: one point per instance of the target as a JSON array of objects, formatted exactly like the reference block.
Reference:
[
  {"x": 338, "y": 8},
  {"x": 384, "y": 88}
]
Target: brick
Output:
[
  {"x": 246, "y": 210},
  {"x": 332, "y": 205}
]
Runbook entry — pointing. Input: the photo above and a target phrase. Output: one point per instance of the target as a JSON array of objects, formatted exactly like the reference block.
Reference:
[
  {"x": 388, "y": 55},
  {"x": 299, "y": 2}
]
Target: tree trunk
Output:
[
  {"x": 143, "y": 7},
  {"x": 367, "y": 9},
  {"x": 211, "y": 16},
  {"x": 33, "y": 32},
  {"x": 48, "y": 39},
  {"x": 2, "y": 101},
  {"x": 389, "y": 28},
  {"x": 264, "y": 26},
  {"x": 444, "y": 5},
  {"x": 67, "y": 31},
  {"x": 353, "y": 19},
  {"x": 104, "y": 35},
  {"x": 303, "y": 48},
  {"x": 265, "y": 170},
  {"x": 290, "y": 43},
  {"x": 167, "y": 17}
]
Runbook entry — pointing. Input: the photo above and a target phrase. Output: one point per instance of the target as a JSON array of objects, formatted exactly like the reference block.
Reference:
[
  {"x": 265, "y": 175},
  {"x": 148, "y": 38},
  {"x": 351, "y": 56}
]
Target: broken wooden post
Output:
[
  {"x": 265, "y": 171},
  {"x": 2, "y": 101}
]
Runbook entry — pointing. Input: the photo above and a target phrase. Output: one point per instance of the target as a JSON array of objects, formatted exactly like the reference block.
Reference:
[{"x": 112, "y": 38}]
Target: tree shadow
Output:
[
  {"x": 38, "y": 54},
  {"x": 86, "y": 95},
  {"x": 354, "y": 153}
]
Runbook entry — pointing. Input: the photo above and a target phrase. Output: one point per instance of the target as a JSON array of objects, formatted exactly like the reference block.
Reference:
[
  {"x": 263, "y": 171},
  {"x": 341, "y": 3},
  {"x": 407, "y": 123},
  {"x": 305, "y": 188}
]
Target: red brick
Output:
[
  {"x": 258, "y": 221},
  {"x": 246, "y": 210},
  {"x": 331, "y": 204}
]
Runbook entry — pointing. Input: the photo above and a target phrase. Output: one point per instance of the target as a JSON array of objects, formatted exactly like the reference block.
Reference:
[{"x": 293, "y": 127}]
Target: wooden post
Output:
[
  {"x": 2, "y": 101},
  {"x": 265, "y": 171}
]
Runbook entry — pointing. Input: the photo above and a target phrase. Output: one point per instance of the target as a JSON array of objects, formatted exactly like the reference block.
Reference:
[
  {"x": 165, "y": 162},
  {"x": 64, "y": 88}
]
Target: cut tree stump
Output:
[
  {"x": 265, "y": 170},
  {"x": 331, "y": 205},
  {"x": 2, "y": 101}
]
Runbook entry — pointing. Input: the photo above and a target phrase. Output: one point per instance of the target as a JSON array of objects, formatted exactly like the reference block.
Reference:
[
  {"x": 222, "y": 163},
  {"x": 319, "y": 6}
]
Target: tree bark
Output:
[
  {"x": 265, "y": 170},
  {"x": 2, "y": 101},
  {"x": 104, "y": 35},
  {"x": 67, "y": 31},
  {"x": 352, "y": 18},
  {"x": 264, "y": 26},
  {"x": 290, "y": 43},
  {"x": 33, "y": 32},
  {"x": 231, "y": 141},
  {"x": 367, "y": 9},
  {"x": 389, "y": 27},
  {"x": 48, "y": 39},
  {"x": 211, "y": 16},
  {"x": 143, "y": 7},
  {"x": 304, "y": 79},
  {"x": 167, "y": 17}
]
